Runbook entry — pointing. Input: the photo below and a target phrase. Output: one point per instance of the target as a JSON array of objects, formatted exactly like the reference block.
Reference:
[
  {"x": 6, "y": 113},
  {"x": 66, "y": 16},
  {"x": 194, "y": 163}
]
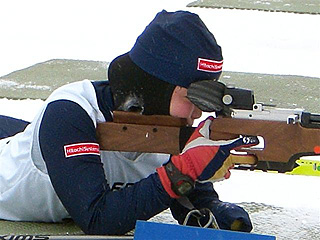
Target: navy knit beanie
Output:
[
  {"x": 178, "y": 48},
  {"x": 175, "y": 49}
]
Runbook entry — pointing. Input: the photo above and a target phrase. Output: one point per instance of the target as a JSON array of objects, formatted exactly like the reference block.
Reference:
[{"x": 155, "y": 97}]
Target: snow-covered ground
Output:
[{"x": 252, "y": 41}]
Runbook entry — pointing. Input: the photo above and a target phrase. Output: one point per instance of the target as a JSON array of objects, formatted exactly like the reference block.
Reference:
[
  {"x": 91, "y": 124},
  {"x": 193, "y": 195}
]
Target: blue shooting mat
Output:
[{"x": 160, "y": 231}]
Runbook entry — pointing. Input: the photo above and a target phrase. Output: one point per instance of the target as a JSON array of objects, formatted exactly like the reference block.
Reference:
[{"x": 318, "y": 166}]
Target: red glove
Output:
[{"x": 201, "y": 159}]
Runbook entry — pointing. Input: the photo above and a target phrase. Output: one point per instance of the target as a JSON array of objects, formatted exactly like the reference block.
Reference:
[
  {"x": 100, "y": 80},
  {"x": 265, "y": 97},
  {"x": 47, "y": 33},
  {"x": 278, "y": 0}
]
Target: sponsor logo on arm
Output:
[{"x": 78, "y": 149}]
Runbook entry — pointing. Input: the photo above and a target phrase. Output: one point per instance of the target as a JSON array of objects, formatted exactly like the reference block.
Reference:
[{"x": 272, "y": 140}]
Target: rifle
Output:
[{"x": 285, "y": 134}]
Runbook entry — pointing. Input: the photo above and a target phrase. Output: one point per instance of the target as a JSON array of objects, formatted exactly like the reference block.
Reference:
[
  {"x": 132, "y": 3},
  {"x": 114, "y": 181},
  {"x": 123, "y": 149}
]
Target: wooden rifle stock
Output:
[
  {"x": 132, "y": 132},
  {"x": 282, "y": 141},
  {"x": 166, "y": 134}
]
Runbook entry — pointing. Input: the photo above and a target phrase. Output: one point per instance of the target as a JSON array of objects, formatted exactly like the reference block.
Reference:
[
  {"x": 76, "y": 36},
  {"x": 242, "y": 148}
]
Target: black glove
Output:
[{"x": 229, "y": 216}]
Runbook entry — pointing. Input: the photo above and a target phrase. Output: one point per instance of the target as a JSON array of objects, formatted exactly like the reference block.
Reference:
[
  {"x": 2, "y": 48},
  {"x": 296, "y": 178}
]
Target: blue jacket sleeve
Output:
[
  {"x": 80, "y": 183},
  {"x": 10, "y": 126}
]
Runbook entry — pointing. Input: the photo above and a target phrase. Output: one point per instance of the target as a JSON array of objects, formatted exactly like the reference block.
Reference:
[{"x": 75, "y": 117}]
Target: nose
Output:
[{"x": 196, "y": 113}]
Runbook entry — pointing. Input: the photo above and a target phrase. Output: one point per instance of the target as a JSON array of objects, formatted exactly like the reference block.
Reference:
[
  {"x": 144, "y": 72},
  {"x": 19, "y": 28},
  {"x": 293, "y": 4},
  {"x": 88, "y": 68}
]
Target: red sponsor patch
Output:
[
  {"x": 81, "y": 149},
  {"x": 207, "y": 65}
]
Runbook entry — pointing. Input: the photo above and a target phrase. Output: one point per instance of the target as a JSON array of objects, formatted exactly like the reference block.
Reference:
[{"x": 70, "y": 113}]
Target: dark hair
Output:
[{"x": 136, "y": 90}]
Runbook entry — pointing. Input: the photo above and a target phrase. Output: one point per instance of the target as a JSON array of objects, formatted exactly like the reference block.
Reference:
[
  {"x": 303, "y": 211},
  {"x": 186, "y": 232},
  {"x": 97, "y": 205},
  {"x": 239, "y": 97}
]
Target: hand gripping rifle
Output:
[{"x": 285, "y": 134}]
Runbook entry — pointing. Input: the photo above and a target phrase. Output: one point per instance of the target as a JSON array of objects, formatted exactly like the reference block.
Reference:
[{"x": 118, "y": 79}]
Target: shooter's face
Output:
[{"x": 180, "y": 106}]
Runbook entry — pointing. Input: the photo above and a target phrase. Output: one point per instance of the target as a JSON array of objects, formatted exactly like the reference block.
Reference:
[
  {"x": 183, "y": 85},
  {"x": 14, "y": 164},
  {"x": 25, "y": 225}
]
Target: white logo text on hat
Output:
[
  {"x": 81, "y": 149},
  {"x": 208, "y": 65}
]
